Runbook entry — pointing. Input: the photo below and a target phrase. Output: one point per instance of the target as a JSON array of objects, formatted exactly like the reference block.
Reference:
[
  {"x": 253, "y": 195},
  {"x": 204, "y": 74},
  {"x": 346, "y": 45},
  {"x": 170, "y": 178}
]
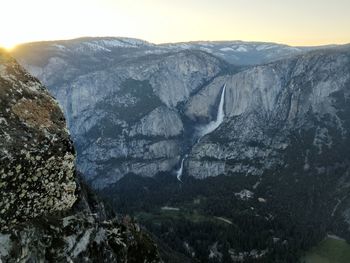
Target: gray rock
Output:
[
  {"x": 160, "y": 122},
  {"x": 119, "y": 108},
  {"x": 37, "y": 156},
  {"x": 274, "y": 99}
]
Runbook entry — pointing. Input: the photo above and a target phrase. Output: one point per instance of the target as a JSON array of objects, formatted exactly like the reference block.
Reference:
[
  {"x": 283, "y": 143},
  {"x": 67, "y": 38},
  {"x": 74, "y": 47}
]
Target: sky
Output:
[{"x": 293, "y": 22}]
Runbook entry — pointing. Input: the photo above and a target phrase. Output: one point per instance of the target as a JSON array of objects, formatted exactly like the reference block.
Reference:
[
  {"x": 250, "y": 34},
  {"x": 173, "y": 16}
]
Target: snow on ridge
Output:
[
  {"x": 227, "y": 49},
  {"x": 123, "y": 42},
  {"x": 265, "y": 47},
  {"x": 106, "y": 44},
  {"x": 95, "y": 46},
  {"x": 136, "y": 42},
  {"x": 60, "y": 47},
  {"x": 179, "y": 46},
  {"x": 206, "y": 49},
  {"x": 206, "y": 44},
  {"x": 241, "y": 49},
  {"x": 294, "y": 49}
]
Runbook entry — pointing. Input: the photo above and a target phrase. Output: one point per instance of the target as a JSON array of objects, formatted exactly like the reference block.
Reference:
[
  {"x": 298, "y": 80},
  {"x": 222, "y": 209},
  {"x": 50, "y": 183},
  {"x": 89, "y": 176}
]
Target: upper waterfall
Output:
[
  {"x": 213, "y": 125},
  {"x": 207, "y": 128}
]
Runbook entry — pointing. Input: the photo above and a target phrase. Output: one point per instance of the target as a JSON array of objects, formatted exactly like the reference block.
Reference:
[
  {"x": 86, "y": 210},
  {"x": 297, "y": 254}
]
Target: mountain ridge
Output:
[{"x": 283, "y": 139}]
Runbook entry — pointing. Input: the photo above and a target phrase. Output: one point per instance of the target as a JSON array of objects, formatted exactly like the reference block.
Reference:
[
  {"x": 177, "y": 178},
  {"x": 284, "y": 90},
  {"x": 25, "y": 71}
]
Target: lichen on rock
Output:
[{"x": 36, "y": 154}]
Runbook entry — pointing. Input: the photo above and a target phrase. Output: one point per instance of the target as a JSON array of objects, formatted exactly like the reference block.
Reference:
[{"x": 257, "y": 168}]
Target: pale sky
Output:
[{"x": 294, "y": 22}]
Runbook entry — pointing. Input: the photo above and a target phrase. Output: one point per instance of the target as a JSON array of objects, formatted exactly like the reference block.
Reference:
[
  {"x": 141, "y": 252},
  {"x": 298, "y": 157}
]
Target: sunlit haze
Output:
[{"x": 294, "y": 22}]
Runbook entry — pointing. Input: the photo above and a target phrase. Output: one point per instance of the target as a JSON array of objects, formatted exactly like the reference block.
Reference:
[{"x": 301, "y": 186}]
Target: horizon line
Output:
[{"x": 169, "y": 43}]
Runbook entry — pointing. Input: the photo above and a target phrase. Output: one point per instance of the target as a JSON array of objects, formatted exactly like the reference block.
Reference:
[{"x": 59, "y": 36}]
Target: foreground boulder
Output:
[
  {"x": 82, "y": 234},
  {"x": 37, "y": 156}
]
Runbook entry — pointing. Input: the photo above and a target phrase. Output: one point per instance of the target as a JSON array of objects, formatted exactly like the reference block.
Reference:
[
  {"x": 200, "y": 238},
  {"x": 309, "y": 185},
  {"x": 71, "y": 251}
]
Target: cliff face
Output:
[
  {"x": 137, "y": 110},
  {"x": 38, "y": 221},
  {"x": 123, "y": 111},
  {"x": 287, "y": 125},
  {"x": 264, "y": 105}
]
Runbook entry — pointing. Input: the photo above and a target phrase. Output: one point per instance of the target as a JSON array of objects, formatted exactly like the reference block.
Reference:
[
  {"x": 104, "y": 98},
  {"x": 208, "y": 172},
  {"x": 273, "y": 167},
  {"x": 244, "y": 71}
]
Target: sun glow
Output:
[
  {"x": 9, "y": 45},
  {"x": 295, "y": 22}
]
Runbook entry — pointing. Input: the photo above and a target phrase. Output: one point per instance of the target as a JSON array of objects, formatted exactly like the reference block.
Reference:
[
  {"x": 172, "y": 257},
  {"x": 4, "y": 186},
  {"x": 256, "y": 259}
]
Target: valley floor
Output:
[{"x": 330, "y": 250}]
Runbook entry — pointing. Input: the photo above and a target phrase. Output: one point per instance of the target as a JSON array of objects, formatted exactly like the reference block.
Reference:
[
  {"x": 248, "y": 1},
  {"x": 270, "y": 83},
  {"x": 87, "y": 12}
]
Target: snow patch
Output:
[
  {"x": 241, "y": 49},
  {"x": 264, "y": 47},
  {"x": 60, "y": 47},
  {"x": 227, "y": 49},
  {"x": 96, "y": 47}
]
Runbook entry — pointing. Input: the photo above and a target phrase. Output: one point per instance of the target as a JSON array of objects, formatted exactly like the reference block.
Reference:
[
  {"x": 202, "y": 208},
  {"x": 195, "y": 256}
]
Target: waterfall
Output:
[
  {"x": 213, "y": 125},
  {"x": 206, "y": 129},
  {"x": 180, "y": 171}
]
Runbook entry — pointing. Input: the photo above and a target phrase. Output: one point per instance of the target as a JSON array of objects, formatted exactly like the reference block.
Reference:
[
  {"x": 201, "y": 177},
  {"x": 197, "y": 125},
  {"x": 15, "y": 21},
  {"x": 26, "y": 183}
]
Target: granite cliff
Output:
[{"x": 123, "y": 107}]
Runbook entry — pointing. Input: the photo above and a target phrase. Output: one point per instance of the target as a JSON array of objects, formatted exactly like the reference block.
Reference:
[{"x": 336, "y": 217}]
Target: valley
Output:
[
  {"x": 155, "y": 131},
  {"x": 330, "y": 250},
  {"x": 219, "y": 132}
]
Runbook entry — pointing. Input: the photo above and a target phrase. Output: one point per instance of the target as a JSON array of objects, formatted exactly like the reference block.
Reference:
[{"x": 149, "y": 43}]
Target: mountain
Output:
[
  {"x": 222, "y": 162},
  {"x": 265, "y": 105},
  {"x": 115, "y": 49},
  {"x": 286, "y": 124},
  {"x": 124, "y": 117},
  {"x": 240, "y": 52},
  {"x": 275, "y": 171},
  {"x": 95, "y": 79},
  {"x": 47, "y": 214}
]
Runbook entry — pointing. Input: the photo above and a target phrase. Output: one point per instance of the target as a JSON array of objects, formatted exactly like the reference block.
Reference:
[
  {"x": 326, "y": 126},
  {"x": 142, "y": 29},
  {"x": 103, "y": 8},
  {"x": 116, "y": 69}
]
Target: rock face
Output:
[
  {"x": 264, "y": 105},
  {"x": 37, "y": 157},
  {"x": 84, "y": 234},
  {"x": 38, "y": 222},
  {"x": 289, "y": 121},
  {"x": 123, "y": 103},
  {"x": 124, "y": 111}
]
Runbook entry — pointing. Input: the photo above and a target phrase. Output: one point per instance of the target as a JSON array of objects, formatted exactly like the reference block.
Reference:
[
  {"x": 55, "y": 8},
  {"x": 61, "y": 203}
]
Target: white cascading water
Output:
[
  {"x": 213, "y": 125},
  {"x": 180, "y": 171},
  {"x": 208, "y": 128}
]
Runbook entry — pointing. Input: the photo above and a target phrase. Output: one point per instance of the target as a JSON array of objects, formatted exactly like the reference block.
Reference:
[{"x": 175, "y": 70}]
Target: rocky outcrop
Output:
[
  {"x": 46, "y": 212},
  {"x": 84, "y": 234},
  {"x": 160, "y": 122},
  {"x": 37, "y": 157}
]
